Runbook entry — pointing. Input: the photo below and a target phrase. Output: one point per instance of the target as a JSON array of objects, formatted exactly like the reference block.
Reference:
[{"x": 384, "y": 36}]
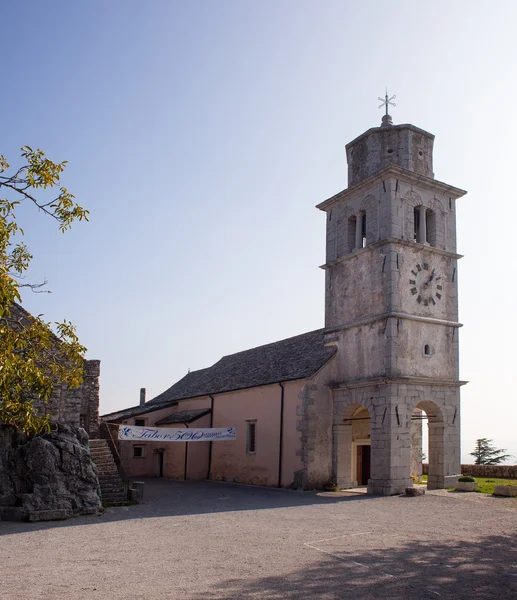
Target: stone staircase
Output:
[{"x": 113, "y": 489}]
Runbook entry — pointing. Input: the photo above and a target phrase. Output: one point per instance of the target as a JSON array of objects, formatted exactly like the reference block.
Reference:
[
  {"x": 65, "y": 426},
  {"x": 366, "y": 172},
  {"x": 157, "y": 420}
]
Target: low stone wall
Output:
[{"x": 496, "y": 471}]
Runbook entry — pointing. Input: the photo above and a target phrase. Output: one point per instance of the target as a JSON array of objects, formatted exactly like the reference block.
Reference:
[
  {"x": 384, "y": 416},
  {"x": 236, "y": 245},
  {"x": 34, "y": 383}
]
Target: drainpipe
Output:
[
  {"x": 186, "y": 456},
  {"x": 281, "y": 449},
  {"x": 210, "y": 443}
]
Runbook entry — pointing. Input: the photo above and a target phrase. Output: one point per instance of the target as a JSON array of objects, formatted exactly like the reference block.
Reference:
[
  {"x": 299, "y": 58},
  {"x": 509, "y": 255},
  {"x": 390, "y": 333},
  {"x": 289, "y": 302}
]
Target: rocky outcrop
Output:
[{"x": 47, "y": 476}]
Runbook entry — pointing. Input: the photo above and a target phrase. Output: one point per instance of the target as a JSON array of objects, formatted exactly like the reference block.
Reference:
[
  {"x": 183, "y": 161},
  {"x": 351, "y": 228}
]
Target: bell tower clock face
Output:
[{"x": 426, "y": 284}]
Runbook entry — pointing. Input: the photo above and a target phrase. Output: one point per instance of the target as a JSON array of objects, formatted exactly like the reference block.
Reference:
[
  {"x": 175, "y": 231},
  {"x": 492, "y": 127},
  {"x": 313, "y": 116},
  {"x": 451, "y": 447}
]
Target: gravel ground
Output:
[{"x": 203, "y": 540}]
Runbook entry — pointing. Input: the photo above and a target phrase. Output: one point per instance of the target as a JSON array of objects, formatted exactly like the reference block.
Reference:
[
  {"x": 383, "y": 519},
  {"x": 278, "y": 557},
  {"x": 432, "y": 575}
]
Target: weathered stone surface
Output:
[
  {"x": 78, "y": 407},
  {"x": 505, "y": 490},
  {"x": 12, "y": 513},
  {"x": 466, "y": 486},
  {"x": 47, "y": 515},
  {"x": 50, "y": 472},
  {"x": 403, "y": 145},
  {"x": 415, "y": 491},
  {"x": 113, "y": 488},
  {"x": 391, "y": 306}
]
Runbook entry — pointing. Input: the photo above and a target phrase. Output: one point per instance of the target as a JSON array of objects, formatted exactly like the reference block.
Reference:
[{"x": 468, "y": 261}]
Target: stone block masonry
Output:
[
  {"x": 495, "y": 471},
  {"x": 76, "y": 407},
  {"x": 391, "y": 304}
]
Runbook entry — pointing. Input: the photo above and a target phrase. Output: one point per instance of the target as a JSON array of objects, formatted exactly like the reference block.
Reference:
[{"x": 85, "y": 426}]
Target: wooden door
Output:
[{"x": 363, "y": 464}]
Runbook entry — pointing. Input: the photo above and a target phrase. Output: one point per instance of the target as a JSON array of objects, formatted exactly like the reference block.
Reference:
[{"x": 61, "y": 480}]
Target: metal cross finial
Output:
[{"x": 385, "y": 101}]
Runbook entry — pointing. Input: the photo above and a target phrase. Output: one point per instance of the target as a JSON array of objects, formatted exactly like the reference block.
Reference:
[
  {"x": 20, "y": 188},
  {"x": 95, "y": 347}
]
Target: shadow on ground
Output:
[
  {"x": 486, "y": 568},
  {"x": 166, "y": 498}
]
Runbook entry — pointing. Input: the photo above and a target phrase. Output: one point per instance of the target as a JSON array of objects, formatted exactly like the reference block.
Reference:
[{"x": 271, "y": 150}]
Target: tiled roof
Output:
[
  {"x": 294, "y": 358},
  {"x": 184, "y": 416},
  {"x": 134, "y": 411}
]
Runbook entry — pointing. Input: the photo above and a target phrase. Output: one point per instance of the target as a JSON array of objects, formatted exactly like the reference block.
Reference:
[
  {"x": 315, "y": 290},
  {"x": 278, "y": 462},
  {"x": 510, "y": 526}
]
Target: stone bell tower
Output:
[{"x": 391, "y": 309}]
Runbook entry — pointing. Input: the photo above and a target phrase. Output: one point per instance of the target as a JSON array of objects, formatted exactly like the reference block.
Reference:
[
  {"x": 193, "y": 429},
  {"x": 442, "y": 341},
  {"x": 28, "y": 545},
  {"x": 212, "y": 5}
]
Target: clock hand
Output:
[{"x": 428, "y": 282}]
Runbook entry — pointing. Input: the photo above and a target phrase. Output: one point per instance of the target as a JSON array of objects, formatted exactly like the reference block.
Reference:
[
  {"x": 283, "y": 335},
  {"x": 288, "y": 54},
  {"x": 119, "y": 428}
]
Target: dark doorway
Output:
[
  {"x": 363, "y": 464},
  {"x": 160, "y": 464}
]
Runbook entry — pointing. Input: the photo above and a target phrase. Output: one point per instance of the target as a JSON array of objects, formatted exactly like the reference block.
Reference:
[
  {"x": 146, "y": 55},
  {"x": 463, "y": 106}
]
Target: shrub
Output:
[
  {"x": 330, "y": 486},
  {"x": 467, "y": 479}
]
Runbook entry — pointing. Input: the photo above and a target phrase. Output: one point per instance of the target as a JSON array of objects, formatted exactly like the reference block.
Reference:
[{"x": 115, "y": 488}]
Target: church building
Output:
[{"x": 343, "y": 404}]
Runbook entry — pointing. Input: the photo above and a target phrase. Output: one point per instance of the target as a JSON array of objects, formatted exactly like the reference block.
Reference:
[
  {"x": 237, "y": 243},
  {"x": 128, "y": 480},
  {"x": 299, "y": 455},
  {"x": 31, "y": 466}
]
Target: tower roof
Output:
[{"x": 405, "y": 145}]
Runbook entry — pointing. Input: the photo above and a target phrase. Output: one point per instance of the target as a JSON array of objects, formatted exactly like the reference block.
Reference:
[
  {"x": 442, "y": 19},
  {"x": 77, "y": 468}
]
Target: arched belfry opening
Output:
[
  {"x": 352, "y": 443},
  {"x": 424, "y": 230}
]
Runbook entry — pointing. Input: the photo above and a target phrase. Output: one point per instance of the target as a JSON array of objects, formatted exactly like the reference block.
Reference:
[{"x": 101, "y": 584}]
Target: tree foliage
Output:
[
  {"x": 486, "y": 453},
  {"x": 34, "y": 354}
]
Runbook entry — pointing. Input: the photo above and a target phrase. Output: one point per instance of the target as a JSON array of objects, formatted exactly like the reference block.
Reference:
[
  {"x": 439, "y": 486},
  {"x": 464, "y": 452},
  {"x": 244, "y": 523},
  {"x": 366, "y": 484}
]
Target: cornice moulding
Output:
[
  {"x": 397, "y": 172},
  {"x": 391, "y": 315},
  {"x": 389, "y": 240},
  {"x": 357, "y": 383}
]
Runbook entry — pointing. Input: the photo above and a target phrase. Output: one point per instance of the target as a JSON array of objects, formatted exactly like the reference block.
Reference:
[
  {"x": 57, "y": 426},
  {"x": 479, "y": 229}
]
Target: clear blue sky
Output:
[{"x": 201, "y": 135}]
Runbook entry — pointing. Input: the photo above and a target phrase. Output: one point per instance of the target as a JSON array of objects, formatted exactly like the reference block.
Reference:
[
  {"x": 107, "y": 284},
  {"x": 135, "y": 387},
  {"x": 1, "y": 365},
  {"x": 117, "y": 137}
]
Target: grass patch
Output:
[{"x": 486, "y": 485}]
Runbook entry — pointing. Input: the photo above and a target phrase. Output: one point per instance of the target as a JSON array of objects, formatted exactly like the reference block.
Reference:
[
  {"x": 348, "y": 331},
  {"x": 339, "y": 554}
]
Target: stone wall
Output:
[
  {"x": 76, "y": 407},
  {"x": 403, "y": 145},
  {"x": 504, "y": 471}
]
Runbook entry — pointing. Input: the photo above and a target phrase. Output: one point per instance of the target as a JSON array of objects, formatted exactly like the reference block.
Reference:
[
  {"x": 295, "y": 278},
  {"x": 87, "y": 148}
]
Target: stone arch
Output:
[
  {"x": 432, "y": 410},
  {"x": 437, "y": 206},
  {"x": 352, "y": 444},
  {"x": 410, "y": 201},
  {"x": 352, "y": 406},
  {"x": 437, "y": 447},
  {"x": 370, "y": 206}
]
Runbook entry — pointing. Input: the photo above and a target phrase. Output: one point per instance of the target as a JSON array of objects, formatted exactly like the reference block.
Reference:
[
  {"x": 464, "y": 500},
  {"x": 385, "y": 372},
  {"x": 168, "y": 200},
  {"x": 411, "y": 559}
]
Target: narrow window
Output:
[
  {"x": 251, "y": 437},
  {"x": 363, "y": 233},
  {"x": 140, "y": 422},
  {"x": 430, "y": 218},
  {"x": 351, "y": 233},
  {"x": 427, "y": 350},
  {"x": 421, "y": 220},
  {"x": 138, "y": 452},
  {"x": 416, "y": 221}
]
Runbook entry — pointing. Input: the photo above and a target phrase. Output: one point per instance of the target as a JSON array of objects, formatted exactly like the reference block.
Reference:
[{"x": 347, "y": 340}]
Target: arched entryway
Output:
[
  {"x": 436, "y": 444},
  {"x": 352, "y": 447}
]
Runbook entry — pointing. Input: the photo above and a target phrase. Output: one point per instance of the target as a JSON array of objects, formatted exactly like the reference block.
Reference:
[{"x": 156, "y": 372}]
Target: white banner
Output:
[{"x": 166, "y": 434}]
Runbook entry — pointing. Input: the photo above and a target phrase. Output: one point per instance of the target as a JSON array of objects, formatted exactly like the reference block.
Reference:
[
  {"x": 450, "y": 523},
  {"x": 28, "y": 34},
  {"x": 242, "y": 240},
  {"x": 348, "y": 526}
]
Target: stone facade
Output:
[
  {"x": 356, "y": 391},
  {"x": 379, "y": 147},
  {"x": 391, "y": 309},
  {"x": 77, "y": 407}
]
